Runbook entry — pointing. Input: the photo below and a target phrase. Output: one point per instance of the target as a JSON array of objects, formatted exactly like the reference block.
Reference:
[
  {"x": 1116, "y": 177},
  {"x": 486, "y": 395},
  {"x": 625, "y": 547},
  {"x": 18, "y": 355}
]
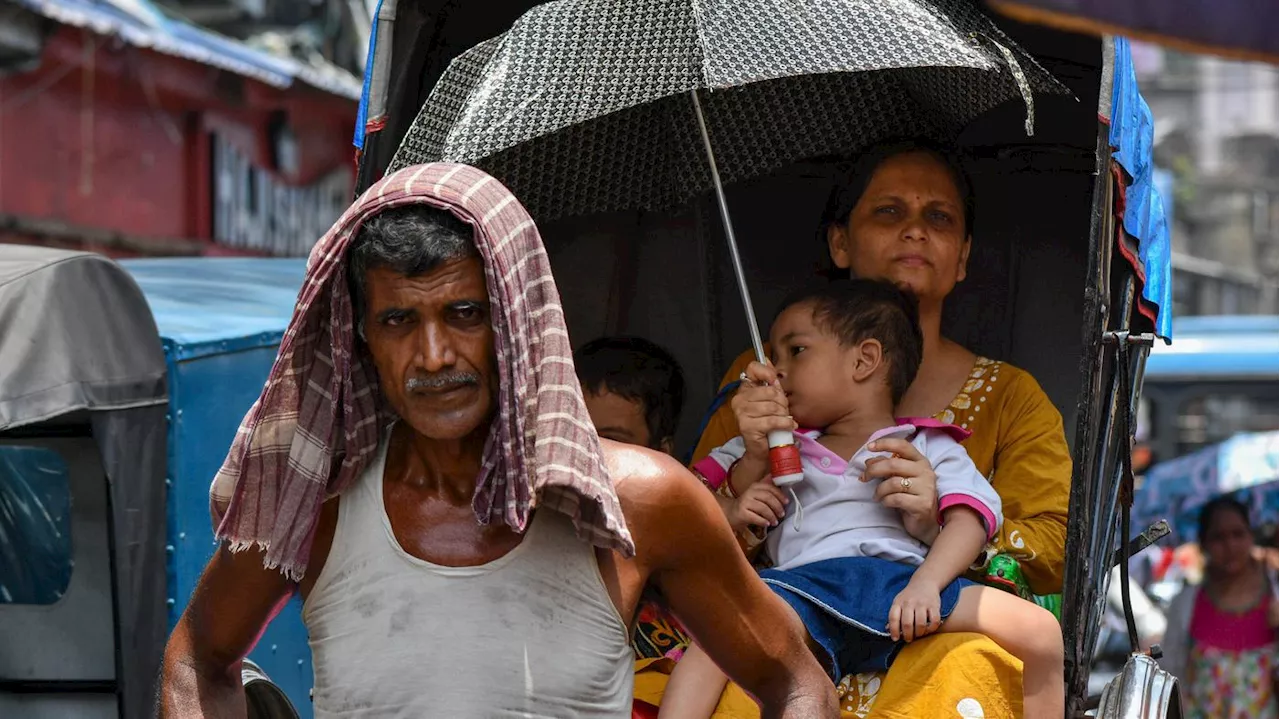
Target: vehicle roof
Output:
[
  {"x": 1219, "y": 347},
  {"x": 210, "y": 305},
  {"x": 75, "y": 335}
]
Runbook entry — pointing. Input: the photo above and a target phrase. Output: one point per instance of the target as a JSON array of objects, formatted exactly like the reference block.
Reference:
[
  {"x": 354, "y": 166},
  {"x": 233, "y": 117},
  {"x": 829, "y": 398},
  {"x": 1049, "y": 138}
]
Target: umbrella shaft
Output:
[{"x": 728, "y": 232}]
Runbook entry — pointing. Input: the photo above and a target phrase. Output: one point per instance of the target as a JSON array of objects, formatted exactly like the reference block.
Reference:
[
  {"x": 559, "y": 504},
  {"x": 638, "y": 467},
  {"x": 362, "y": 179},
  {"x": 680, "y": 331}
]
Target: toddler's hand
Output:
[
  {"x": 916, "y": 612},
  {"x": 760, "y": 407},
  {"x": 762, "y": 505}
]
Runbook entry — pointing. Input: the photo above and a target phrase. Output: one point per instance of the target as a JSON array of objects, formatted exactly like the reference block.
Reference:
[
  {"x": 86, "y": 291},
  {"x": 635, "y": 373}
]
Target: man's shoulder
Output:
[
  {"x": 666, "y": 508},
  {"x": 651, "y": 486},
  {"x": 639, "y": 471}
]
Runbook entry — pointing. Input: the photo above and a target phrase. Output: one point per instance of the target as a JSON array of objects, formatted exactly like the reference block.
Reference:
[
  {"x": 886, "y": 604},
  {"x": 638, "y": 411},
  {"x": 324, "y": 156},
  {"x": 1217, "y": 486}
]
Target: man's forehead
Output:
[{"x": 459, "y": 278}]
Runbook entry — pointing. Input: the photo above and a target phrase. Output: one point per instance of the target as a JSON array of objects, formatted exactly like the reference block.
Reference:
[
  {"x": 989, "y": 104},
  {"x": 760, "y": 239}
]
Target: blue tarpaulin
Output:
[
  {"x": 1145, "y": 220},
  {"x": 220, "y": 321},
  {"x": 362, "y": 112},
  {"x": 216, "y": 305},
  {"x": 1247, "y": 467},
  {"x": 35, "y": 526}
]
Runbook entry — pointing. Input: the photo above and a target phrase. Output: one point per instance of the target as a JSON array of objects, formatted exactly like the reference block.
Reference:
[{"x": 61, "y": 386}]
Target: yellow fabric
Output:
[
  {"x": 949, "y": 676},
  {"x": 651, "y": 682},
  {"x": 1018, "y": 443}
]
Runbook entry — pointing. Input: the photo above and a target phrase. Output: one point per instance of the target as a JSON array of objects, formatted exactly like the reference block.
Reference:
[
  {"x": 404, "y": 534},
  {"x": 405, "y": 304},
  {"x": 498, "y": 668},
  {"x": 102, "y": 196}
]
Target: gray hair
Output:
[{"x": 410, "y": 240}]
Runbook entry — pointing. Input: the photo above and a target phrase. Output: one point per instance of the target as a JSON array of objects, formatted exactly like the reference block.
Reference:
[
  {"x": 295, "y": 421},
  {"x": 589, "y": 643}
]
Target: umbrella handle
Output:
[
  {"x": 784, "y": 456},
  {"x": 736, "y": 259}
]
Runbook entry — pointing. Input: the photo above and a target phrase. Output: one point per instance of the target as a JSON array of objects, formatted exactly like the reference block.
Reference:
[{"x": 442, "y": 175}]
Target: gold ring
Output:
[{"x": 906, "y": 483}]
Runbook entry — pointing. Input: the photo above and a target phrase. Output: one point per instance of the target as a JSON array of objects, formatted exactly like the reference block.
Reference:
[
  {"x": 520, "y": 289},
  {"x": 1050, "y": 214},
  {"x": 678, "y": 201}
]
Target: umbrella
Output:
[
  {"x": 1247, "y": 466},
  {"x": 586, "y": 106}
]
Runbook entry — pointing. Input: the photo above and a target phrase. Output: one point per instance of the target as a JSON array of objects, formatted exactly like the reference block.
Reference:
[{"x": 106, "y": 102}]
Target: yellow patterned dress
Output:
[{"x": 1018, "y": 443}]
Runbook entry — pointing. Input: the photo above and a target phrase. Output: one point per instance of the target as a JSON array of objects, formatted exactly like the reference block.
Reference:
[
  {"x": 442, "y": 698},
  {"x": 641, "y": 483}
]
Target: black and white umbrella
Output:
[{"x": 589, "y": 105}]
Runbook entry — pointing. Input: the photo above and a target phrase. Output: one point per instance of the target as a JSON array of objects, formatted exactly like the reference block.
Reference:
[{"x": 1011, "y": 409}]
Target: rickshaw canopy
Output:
[
  {"x": 1241, "y": 28},
  {"x": 82, "y": 359},
  {"x": 88, "y": 341}
]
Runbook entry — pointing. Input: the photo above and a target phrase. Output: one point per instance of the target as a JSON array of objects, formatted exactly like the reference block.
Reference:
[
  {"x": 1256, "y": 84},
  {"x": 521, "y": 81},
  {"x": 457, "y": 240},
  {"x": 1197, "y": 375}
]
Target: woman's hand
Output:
[
  {"x": 762, "y": 505},
  {"x": 916, "y": 612},
  {"x": 908, "y": 485},
  {"x": 760, "y": 406}
]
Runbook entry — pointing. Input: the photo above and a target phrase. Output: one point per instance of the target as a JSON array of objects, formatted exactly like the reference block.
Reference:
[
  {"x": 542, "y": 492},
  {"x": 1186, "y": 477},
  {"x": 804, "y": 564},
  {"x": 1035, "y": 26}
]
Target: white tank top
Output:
[{"x": 530, "y": 634}]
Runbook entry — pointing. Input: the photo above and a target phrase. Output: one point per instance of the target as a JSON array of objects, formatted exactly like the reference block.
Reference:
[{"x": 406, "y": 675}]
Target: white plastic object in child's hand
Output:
[
  {"x": 784, "y": 459},
  {"x": 785, "y": 466}
]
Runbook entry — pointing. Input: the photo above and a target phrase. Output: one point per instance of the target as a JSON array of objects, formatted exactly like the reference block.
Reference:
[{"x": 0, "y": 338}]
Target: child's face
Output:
[
  {"x": 617, "y": 418},
  {"x": 816, "y": 371}
]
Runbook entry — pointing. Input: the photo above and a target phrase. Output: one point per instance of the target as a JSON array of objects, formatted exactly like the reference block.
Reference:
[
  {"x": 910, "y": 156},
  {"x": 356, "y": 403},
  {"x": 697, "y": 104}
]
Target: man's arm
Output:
[
  {"x": 748, "y": 630},
  {"x": 232, "y": 604}
]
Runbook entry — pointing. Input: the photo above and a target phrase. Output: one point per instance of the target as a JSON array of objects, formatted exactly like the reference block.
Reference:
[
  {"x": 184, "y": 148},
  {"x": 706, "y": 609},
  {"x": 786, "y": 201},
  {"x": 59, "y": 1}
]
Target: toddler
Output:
[{"x": 858, "y": 582}]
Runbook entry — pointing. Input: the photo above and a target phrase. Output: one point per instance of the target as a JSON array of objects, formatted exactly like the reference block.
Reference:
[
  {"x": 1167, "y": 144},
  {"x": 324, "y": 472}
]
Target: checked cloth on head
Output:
[{"x": 319, "y": 418}]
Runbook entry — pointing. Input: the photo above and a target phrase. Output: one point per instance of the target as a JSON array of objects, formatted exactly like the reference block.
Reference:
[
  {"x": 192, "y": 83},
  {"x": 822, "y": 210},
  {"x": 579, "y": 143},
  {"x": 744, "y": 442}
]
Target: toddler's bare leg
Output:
[
  {"x": 696, "y": 684},
  {"x": 694, "y": 688},
  {"x": 1025, "y": 630}
]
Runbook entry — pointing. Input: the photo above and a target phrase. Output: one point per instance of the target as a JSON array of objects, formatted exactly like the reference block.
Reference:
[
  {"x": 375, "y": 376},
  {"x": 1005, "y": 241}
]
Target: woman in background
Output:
[{"x": 1221, "y": 640}]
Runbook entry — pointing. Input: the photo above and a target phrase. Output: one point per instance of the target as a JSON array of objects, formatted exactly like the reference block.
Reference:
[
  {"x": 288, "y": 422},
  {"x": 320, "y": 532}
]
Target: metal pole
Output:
[{"x": 728, "y": 231}]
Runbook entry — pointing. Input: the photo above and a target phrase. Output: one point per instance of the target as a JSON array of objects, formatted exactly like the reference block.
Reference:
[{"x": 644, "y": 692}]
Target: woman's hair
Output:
[
  {"x": 1225, "y": 503},
  {"x": 857, "y": 310},
  {"x": 849, "y": 189}
]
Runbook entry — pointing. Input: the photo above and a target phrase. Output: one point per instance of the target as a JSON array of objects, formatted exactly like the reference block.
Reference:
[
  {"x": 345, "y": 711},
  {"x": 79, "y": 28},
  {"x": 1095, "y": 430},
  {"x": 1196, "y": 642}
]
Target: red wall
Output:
[{"x": 115, "y": 137}]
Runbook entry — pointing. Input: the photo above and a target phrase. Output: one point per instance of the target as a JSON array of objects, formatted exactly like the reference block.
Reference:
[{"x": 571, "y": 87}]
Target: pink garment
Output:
[{"x": 1212, "y": 627}]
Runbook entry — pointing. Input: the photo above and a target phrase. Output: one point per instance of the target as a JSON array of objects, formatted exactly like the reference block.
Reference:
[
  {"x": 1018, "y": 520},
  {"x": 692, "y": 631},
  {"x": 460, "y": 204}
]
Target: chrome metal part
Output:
[{"x": 1142, "y": 690}]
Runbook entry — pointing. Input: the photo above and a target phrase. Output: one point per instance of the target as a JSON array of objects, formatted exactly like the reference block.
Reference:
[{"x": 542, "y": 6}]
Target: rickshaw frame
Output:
[{"x": 1116, "y": 338}]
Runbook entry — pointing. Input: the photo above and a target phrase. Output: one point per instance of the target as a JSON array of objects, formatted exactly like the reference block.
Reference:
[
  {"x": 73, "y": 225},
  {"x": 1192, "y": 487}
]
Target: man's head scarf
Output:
[{"x": 319, "y": 419}]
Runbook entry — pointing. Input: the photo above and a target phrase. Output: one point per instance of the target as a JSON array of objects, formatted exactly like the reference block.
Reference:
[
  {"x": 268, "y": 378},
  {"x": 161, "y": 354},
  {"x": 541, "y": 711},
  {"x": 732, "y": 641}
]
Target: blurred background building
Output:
[
  {"x": 185, "y": 127},
  {"x": 1216, "y": 144}
]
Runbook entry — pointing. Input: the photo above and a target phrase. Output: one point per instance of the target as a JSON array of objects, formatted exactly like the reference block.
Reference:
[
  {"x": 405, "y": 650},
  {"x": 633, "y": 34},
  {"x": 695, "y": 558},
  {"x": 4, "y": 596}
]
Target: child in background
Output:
[
  {"x": 634, "y": 390},
  {"x": 857, "y": 581}
]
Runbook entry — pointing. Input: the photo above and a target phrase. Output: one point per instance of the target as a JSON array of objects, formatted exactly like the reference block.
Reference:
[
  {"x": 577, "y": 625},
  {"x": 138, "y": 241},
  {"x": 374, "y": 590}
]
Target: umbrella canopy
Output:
[
  {"x": 1244, "y": 29},
  {"x": 1246, "y": 466},
  {"x": 584, "y": 106}
]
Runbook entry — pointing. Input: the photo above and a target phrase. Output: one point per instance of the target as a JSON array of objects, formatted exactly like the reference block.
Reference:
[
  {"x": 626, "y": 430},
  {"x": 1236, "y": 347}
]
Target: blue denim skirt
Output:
[{"x": 844, "y": 603}]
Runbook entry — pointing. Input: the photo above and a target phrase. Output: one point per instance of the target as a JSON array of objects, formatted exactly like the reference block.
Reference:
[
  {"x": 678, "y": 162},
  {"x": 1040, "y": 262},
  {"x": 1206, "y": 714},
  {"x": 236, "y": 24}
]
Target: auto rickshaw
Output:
[{"x": 121, "y": 386}]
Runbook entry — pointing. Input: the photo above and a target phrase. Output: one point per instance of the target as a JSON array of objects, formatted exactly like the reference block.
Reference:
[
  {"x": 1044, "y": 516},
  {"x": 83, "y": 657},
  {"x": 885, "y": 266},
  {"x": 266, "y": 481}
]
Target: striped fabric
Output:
[{"x": 317, "y": 423}]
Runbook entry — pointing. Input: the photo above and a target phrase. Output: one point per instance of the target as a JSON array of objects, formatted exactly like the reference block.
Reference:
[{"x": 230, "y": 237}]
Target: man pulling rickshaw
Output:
[{"x": 477, "y": 554}]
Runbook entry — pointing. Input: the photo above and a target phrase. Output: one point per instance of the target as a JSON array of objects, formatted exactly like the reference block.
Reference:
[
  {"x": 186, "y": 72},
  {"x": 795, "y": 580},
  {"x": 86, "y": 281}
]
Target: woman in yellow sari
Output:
[{"x": 904, "y": 215}]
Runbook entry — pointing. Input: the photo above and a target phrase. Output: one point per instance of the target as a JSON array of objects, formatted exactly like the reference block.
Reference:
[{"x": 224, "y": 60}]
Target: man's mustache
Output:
[{"x": 444, "y": 380}]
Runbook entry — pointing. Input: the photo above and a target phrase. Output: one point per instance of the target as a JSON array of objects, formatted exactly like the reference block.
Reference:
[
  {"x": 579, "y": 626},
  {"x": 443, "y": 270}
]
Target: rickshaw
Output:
[
  {"x": 1069, "y": 280},
  {"x": 122, "y": 385},
  {"x": 1069, "y": 276}
]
